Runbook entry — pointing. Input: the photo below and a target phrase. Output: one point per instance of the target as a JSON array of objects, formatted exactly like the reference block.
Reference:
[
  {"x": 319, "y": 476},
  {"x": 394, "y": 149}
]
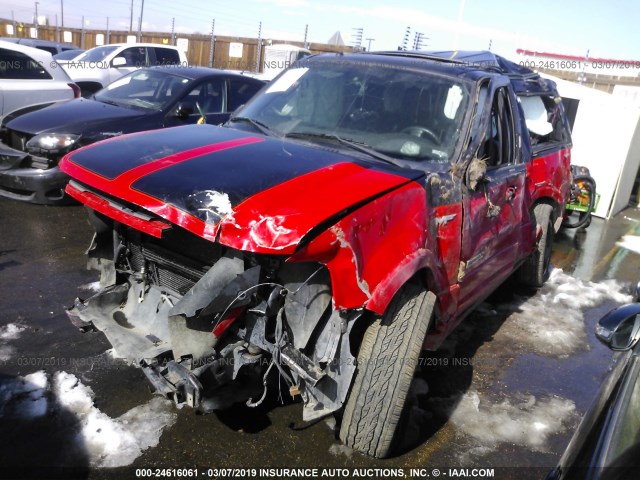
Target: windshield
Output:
[
  {"x": 143, "y": 89},
  {"x": 402, "y": 113},
  {"x": 96, "y": 54}
]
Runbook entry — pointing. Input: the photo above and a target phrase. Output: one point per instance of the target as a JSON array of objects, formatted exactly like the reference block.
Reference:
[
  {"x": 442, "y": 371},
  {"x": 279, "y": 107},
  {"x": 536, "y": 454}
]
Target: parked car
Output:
[
  {"x": 606, "y": 444},
  {"x": 147, "y": 99},
  {"x": 349, "y": 215},
  {"x": 29, "y": 77},
  {"x": 52, "y": 47},
  {"x": 68, "y": 55},
  {"x": 99, "y": 66}
]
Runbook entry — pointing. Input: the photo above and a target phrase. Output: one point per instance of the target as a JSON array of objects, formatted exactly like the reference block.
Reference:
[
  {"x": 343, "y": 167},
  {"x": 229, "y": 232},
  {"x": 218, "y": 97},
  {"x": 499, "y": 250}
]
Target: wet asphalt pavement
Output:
[{"x": 485, "y": 365}]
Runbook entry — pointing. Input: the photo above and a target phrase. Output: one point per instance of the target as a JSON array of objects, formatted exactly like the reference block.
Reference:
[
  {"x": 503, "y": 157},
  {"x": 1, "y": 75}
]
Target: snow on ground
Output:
[
  {"x": 630, "y": 242},
  {"x": 9, "y": 332},
  {"x": 108, "y": 442},
  {"x": 552, "y": 321},
  {"x": 522, "y": 419},
  {"x": 92, "y": 287},
  {"x": 339, "y": 449},
  {"x": 24, "y": 397}
]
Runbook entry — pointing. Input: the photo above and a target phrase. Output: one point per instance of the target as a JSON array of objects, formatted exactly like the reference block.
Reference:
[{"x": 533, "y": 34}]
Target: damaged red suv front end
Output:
[{"x": 359, "y": 207}]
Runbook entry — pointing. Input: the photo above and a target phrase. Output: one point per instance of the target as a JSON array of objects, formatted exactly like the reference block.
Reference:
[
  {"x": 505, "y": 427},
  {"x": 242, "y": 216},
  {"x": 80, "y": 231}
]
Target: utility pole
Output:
[
  {"x": 173, "y": 31},
  {"x": 82, "y": 34},
  {"x": 131, "y": 18},
  {"x": 306, "y": 31},
  {"x": 36, "y": 19},
  {"x": 405, "y": 39},
  {"x": 357, "y": 37},
  {"x": 418, "y": 40},
  {"x": 369, "y": 46},
  {"x": 259, "y": 55},
  {"x": 140, "y": 22},
  {"x": 213, "y": 43},
  {"x": 62, "y": 14},
  {"x": 108, "y": 33}
]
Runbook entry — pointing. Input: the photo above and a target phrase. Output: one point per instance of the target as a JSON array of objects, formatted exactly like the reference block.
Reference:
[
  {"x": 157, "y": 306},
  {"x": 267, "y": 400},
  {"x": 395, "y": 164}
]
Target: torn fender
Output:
[{"x": 371, "y": 252}]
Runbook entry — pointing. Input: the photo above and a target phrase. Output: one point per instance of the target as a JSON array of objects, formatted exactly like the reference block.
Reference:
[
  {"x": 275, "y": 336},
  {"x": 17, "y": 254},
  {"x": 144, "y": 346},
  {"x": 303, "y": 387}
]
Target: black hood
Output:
[{"x": 77, "y": 116}]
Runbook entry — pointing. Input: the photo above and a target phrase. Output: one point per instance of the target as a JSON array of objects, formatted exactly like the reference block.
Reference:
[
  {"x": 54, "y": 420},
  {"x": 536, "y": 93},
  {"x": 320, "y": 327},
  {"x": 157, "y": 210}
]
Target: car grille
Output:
[
  {"x": 18, "y": 140},
  {"x": 163, "y": 269},
  {"x": 175, "y": 262}
]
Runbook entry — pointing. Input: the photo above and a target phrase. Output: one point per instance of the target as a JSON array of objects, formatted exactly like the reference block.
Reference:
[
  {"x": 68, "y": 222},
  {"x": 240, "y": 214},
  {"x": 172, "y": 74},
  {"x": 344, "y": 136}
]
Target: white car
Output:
[
  {"x": 99, "y": 66},
  {"x": 30, "y": 77}
]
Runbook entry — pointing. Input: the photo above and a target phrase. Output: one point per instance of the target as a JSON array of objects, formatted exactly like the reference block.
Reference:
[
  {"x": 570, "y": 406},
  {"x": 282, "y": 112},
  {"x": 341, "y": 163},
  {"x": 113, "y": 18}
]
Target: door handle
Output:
[{"x": 511, "y": 193}]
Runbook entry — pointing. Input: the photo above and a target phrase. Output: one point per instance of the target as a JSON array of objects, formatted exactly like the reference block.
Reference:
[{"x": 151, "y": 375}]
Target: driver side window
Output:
[
  {"x": 209, "y": 95},
  {"x": 135, "y": 57},
  {"x": 498, "y": 146}
]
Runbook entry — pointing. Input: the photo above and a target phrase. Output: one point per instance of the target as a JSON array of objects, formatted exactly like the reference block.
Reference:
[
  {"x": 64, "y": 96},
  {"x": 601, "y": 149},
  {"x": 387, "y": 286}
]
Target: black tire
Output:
[
  {"x": 386, "y": 363},
  {"x": 535, "y": 271}
]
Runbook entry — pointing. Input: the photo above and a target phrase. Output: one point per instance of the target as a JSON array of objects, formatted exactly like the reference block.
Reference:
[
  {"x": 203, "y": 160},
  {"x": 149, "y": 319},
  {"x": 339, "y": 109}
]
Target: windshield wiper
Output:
[
  {"x": 108, "y": 102},
  {"x": 353, "y": 144},
  {"x": 259, "y": 125}
]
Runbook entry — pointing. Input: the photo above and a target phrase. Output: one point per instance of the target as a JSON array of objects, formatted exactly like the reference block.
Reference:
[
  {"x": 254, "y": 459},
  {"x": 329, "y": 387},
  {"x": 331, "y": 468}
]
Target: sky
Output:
[{"x": 607, "y": 29}]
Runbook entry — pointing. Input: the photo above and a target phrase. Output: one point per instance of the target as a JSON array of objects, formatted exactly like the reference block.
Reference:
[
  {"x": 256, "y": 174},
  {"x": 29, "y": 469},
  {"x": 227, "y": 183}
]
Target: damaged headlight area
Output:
[{"x": 209, "y": 324}]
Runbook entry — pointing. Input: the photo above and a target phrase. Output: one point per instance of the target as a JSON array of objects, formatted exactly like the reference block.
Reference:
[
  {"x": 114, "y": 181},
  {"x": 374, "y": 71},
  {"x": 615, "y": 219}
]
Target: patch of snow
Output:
[
  {"x": 72, "y": 394},
  {"x": 11, "y": 331},
  {"x": 92, "y": 287},
  {"x": 37, "y": 380},
  {"x": 331, "y": 423},
  {"x": 529, "y": 422},
  {"x": 552, "y": 322},
  {"x": 341, "y": 449},
  {"x": 113, "y": 442},
  {"x": 630, "y": 242},
  {"x": 108, "y": 442},
  {"x": 6, "y": 352},
  {"x": 25, "y": 397}
]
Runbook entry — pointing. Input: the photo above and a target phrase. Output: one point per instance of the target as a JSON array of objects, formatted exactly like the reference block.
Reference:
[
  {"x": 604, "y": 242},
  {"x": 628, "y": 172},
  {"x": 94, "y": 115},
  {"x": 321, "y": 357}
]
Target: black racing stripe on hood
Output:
[
  {"x": 112, "y": 158},
  {"x": 238, "y": 173}
]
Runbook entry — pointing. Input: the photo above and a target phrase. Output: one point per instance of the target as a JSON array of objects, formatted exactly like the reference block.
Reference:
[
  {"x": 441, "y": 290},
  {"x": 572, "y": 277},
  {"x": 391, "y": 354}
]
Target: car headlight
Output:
[{"x": 51, "y": 142}]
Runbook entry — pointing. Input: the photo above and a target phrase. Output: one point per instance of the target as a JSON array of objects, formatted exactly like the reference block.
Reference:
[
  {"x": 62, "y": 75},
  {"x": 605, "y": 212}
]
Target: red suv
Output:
[{"x": 349, "y": 215}]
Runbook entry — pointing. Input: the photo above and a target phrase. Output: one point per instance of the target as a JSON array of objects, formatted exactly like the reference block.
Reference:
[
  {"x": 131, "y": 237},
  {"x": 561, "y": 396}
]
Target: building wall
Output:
[{"x": 606, "y": 139}]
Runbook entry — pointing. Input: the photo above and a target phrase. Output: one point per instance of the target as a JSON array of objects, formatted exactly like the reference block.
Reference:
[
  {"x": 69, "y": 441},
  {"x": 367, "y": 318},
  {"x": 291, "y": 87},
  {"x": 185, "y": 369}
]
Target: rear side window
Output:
[
  {"x": 134, "y": 57},
  {"x": 18, "y": 66},
  {"x": 546, "y": 122},
  {"x": 167, "y": 56},
  {"x": 240, "y": 92}
]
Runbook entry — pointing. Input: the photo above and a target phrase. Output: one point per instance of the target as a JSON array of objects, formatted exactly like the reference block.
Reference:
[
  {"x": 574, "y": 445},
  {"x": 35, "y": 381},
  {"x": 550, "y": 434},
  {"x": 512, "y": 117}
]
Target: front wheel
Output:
[
  {"x": 386, "y": 364},
  {"x": 535, "y": 271}
]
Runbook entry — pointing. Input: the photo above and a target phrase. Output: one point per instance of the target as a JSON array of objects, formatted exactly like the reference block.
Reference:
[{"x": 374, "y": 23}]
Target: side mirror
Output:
[
  {"x": 620, "y": 328},
  {"x": 118, "y": 62},
  {"x": 184, "y": 109},
  {"x": 476, "y": 173}
]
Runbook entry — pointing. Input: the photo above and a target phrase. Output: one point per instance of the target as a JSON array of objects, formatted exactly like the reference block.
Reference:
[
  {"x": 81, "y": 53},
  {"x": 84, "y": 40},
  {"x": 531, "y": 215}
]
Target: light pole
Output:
[
  {"x": 62, "y": 14},
  {"x": 140, "y": 22},
  {"x": 36, "y": 19}
]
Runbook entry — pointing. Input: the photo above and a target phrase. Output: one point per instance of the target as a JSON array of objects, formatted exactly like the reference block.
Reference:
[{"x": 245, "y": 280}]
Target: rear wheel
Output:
[
  {"x": 386, "y": 363},
  {"x": 535, "y": 271}
]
